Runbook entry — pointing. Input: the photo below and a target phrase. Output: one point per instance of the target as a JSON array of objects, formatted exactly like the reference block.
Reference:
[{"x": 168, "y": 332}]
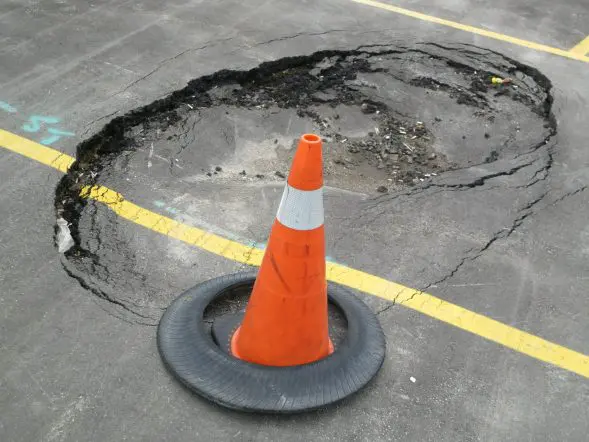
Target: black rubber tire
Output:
[{"x": 189, "y": 353}]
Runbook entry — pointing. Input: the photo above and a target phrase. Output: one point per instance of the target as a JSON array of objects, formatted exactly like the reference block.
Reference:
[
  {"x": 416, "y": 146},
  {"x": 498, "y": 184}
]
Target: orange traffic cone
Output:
[{"x": 285, "y": 321}]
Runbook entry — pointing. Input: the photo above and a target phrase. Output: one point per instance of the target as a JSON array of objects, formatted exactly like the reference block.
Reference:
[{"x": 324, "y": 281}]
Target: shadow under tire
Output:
[{"x": 190, "y": 354}]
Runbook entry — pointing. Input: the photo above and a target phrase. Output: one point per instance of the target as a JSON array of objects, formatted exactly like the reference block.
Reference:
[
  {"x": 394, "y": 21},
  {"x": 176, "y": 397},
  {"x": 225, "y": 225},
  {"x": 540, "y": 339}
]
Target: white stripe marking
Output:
[{"x": 301, "y": 209}]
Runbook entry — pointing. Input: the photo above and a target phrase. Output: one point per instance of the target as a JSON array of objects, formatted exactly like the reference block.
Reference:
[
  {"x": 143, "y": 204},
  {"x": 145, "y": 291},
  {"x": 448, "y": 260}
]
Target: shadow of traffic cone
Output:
[{"x": 285, "y": 321}]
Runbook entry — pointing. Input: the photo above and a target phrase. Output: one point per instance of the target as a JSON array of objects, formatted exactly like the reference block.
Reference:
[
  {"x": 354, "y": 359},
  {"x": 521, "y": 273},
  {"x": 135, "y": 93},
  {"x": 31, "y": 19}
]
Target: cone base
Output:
[
  {"x": 225, "y": 331},
  {"x": 224, "y": 328},
  {"x": 233, "y": 349},
  {"x": 199, "y": 363}
]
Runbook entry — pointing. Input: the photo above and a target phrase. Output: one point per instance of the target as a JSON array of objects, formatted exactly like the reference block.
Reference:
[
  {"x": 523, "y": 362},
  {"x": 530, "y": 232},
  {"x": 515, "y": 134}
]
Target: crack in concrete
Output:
[
  {"x": 162, "y": 63},
  {"x": 109, "y": 299},
  {"x": 525, "y": 212},
  {"x": 476, "y": 183},
  {"x": 329, "y": 31},
  {"x": 299, "y": 34},
  {"x": 165, "y": 61},
  {"x": 568, "y": 194},
  {"x": 396, "y": 301},
  {"x": 386, "y": 308},
  {"x": 502, "y": 234},
  {"x": 88, "y": 126}
]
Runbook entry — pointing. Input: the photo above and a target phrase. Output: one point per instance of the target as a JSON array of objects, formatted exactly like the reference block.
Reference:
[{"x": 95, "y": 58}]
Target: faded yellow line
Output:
[
  {"x": 478, "y": 31},
  {"x": 425, "y": 303},
  {"x": 582, "y": 48}
]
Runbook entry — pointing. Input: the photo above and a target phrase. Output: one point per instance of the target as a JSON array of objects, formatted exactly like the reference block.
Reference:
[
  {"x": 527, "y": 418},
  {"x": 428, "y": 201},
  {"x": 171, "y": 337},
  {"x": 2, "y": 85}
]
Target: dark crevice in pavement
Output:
[
  {"x": 542, "y": 174},
  {"x": 301, "y": 34},
  {"x": 568, "y": 195},
  {"x": 386, "y": 308},
  {"x": 209, "y": 44},
  {"x": 330, "y": 79},
  {"x": 524, "y": 213},
  {"x": 130, "y": 314},
  {"x": 397, "y": 301},
  {"x": 88, "y": 126},
  {"x": 479, "y": 182},
  {"x": 162, "y": 63}
]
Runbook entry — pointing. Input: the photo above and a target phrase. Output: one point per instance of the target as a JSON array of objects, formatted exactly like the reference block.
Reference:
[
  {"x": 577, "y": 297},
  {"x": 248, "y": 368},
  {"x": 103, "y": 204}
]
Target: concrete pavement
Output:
[{"x": 78, "y": 367}]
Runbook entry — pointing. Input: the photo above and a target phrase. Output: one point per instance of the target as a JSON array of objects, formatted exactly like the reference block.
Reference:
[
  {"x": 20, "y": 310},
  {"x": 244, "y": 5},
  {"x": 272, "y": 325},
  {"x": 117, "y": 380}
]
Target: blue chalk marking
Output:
[
  {"x": 7, "y": 107},
  {"x": 56, "y": 135},
  {"x": 52, "y": 139},
  {"x": 162, "y": 205},
  {"x": 36, "y": 121},
  {"x": 62, "y": 133}
]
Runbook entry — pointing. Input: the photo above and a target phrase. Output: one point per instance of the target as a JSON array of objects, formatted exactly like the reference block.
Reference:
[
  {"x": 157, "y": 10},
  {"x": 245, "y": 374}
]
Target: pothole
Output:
[{"x": 389, "y": 117}]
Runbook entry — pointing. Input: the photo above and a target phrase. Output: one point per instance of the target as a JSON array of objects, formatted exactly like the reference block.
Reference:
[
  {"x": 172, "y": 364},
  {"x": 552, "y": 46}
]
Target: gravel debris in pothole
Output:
[{"x": 388, "y": 116}]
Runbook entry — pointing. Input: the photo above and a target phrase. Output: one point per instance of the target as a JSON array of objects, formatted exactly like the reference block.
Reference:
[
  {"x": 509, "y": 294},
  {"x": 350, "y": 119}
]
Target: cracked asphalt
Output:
[{"x": 507, "y": 239}]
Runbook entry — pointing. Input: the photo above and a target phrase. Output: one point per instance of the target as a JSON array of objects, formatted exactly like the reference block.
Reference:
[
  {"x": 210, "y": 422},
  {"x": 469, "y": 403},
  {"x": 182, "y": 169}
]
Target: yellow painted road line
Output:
[
  {"x": 478, "y": 31},
  {"x": 425, "y": 303},
  {"x": 35, "y": 151},
  {"x": 172, "y": 228},
  {"x": 582, "y": 48}
]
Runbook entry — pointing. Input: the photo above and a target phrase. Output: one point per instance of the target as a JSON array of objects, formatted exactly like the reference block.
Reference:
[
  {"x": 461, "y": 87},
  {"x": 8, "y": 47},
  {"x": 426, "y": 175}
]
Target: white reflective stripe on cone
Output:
[{"x": 301, "y": 209}]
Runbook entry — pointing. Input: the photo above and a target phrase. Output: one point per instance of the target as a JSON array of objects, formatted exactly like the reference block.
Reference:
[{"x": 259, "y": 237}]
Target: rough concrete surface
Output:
[{"x": 498, "y": 224}]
